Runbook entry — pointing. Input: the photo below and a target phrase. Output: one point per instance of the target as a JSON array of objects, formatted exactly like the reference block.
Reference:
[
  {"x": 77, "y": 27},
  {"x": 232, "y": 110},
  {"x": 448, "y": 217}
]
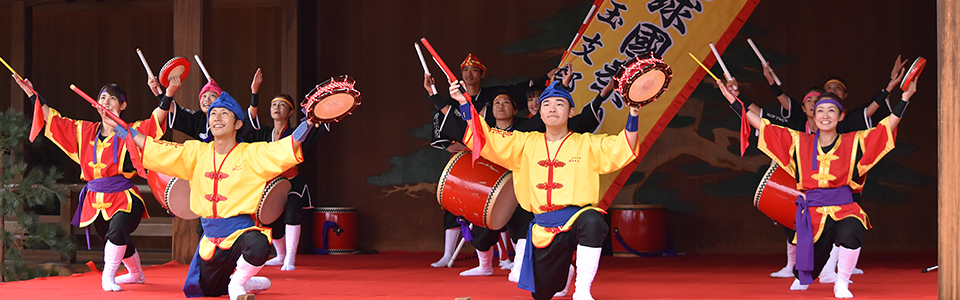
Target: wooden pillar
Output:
[
  {"x": 289, "y": 71},
  {"x": 20, "y": 19},
  {"x": 948, "y": 77},
  {"x": 190, "y": 21}
]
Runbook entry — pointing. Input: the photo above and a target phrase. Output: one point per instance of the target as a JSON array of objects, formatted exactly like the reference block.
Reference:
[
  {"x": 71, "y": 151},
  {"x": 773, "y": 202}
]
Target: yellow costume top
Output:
[
  {"x": 222, "y": 185},
  {"x": 549, "y": 176}
]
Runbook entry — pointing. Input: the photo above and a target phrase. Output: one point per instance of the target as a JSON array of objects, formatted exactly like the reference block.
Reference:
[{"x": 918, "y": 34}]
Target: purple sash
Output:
[
  {"x": 106, "y": 185},
  {"x": 815, "y": 198}
]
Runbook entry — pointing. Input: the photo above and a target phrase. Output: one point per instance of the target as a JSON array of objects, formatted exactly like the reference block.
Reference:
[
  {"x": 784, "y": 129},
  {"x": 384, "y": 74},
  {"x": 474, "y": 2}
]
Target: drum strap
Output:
[{"x": 815, "y": 198}]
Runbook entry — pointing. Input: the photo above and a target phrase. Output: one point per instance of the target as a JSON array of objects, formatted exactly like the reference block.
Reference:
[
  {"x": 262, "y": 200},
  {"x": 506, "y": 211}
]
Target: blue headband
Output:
[
  {"x": 229, "y": 103},
  {"x": 830, "y": 101},
  {"x": 556, "y": 90}
]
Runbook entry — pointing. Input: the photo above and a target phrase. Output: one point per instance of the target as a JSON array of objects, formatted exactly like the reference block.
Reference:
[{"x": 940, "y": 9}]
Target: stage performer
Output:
[
  {"x": 194, "y": 124},
  {"x": 827, "y": 165},
  {"x": 559, "y": 183},
  {"x": 286, "y": 229},
  {"x": 109, "y": 201},
  {"x": 227, "y": 179}
]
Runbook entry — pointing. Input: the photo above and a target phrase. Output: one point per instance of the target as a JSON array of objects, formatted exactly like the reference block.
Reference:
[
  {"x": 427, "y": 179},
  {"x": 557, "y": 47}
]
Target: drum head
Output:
[
  {"x": 176, "y": 67},
  {"x": 915, "y": 69},
  {"x": 502, "y": 203},
  {"x": 335, "y": 106},
  {"x": 177, "y": 198},
  {"x": 273, "y": 200},
  {"x": 647, "y": 86}
]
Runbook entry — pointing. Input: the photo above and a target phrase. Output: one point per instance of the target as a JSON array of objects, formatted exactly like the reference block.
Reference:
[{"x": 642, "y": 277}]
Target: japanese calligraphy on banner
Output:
[{"x": 617, "y": 30}]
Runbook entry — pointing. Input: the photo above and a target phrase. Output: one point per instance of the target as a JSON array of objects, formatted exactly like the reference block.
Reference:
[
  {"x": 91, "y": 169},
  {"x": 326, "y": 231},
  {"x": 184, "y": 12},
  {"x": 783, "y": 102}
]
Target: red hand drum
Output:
[
  {"x": 643, "y": 78},
  {"x": 175, "y": 67},
  {"x": 332, "y": 100},
  {"x": 172, "y": 193},
  {"x": 641, "y": 227},
  {"x": 481, "y": 193},
  {"x": 777, "y": 195},
  {"x": 335, "y": 229}
]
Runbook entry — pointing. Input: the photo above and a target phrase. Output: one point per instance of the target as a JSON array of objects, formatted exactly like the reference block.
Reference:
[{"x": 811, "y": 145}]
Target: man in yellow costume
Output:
[
  {"x": 226, "y": 182},
  {"x": 556, "y": 176}
]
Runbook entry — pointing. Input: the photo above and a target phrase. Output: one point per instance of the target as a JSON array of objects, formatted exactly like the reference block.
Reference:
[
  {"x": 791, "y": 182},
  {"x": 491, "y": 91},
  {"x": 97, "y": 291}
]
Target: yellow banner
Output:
[{"x": 616, "y": 31}]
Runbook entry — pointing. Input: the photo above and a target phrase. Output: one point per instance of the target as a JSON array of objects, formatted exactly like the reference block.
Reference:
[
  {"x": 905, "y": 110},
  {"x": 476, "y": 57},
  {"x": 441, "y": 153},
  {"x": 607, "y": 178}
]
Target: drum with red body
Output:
[
  {"x": 642, "y": 227},
  {"x": 332, "y": 100},
  {"x": 481, "y": 193},
  {"x": 335, "y": 229},
  {"x": 776, "y": 196},
  {"x": 172, "y": 193},
  {"x": 643, "y": 79}
]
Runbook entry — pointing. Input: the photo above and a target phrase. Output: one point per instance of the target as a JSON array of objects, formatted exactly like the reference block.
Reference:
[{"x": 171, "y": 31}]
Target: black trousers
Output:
[
  {"x": 517, "y": 226},
  {"x": 848, "y": 233},
  {"x": 449, "y": 220},
  {"x": 117, "y": 230},
  {"x": 551, "y": 264},
  {"x": 215, "y": 273}
]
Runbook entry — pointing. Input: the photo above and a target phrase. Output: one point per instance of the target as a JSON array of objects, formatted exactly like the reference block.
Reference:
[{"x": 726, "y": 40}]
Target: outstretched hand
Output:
[
  {"x": 24, "y": 84},
  {"x": 911, "y": 89},
  {"x": 767, "y": 73},
  {"x": 257, "y": 80},
  {"x": 455, "y": 92},
  {"x": 567, "y": 74},
  {"x": 428, "y": 83},
  {"x": 896, "y": 75},
  {"x": 154, "y": 85},
  {"x": 727, "y": 93},
  {"x": 173, "y": 86}
]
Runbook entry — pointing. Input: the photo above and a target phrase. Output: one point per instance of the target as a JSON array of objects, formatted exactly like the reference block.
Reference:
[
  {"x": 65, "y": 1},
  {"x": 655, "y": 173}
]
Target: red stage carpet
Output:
[{"x": 405, "y": 275}]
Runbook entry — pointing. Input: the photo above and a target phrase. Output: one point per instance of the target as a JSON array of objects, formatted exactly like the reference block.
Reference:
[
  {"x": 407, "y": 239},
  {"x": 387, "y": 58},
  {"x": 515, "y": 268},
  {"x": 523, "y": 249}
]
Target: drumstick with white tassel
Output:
[
  {"x": 424, "y": 65},
  {"x": 726, "y": 73},
  {"x": 763, "y": 61},
  {"x": 202, "y": 67}
]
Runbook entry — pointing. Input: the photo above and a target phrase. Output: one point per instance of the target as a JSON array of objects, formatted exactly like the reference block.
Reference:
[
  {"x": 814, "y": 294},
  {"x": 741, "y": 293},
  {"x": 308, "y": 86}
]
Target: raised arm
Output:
[
  {"x": 254, "y": 93},
  {"x": 751, "y": 116},
  {"x": 781, "y": 97},
  {"x": 27, "y": 88}
]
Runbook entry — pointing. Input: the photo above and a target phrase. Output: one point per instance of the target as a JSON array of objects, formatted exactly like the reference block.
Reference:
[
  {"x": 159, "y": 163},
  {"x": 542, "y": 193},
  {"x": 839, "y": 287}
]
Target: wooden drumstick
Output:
[
  {"x": 202, "y": 67},
  {"x": 146, "y": 66},
  {"x": 704, "y": 67},
  {"x": 763, "y": 61},
  {"x": 726, "y": 73},
  {"x": 424, "y": 65}
]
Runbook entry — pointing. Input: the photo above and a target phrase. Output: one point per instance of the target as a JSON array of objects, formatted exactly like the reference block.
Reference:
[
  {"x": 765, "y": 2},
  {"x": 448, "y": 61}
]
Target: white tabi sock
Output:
[
  {"x": 238, "y": 281},
  {"x": 829, "y": 272},
  {"x": 281, "y": 247},
  {"x": 111, "y": 262},
  {"x": 787, "y": 271},
  {"x": 517, "y": 261},
  {"x": 134, "y": 270},
  {"x": 588, "y": 260},
  {"x": 566, "y": 287},
  {"x": 846, "y": 260},
  {"x": 485, "y": 268},
  {"x": 292, "y": 239},
  {"x": 449, "y": 245}
]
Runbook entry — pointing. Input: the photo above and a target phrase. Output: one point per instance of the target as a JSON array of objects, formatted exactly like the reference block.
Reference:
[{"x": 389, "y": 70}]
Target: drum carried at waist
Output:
[
  {"x": 481, "y": 193},
  {"x": 638, "y": 228},
  {"x": 643, "y": 79},
  {"x": 273, "y": 200},
  {"x": 776, "y": 196},
  {"x": 172, "y": 193},
  {"x": 332, "y": 100}
]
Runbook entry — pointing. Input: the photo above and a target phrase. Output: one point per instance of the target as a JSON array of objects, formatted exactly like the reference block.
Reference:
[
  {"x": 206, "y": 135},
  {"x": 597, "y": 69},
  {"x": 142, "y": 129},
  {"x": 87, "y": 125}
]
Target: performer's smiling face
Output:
[
  {"x": 472, "y": 75},
  {"x": 206, "y": 99},
  {"x": 222, "y": 122},
  {"x": 280, "y": 111},
  {"x": 532, "y": 102},
  {"x": 555, "y": 111},
  {"x": 827, "y": 116},
  {"x": 503, "y": 108},
  {"x": 112, "y": 103}
]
